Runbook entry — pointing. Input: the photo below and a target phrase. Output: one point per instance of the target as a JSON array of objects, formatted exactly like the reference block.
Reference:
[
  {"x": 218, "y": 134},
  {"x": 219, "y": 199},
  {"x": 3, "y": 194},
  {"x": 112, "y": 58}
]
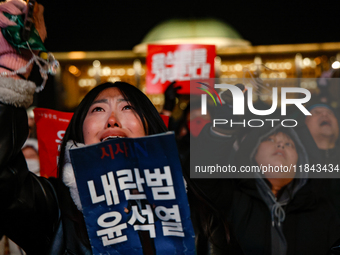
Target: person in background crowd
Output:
[
  {"x": 324, "y": 129},
  {"x": 8, "y": 247},
  {"x": 3, "y": 246},
  {"x": 188, "y": 128},
  {"x": 262, "y": 215},
  {"x": 31, "y": 154},
  {"x": 170, "y": 97},
  {"x": 324, "y": 148},
  {"x": 32, "y": 131},
  {"x": 189, "y": 124},
  {"x": 319, "y": 133}
]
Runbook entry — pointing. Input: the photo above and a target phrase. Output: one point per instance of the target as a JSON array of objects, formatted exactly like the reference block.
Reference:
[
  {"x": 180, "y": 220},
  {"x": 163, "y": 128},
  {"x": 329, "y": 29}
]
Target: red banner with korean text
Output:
[
  {"x": 168, "y": 63},
  {"x": 51, "y": 126}
]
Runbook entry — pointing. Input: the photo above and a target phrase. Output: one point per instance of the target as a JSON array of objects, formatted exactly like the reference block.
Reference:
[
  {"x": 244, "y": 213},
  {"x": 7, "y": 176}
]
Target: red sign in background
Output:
[
  {"x": 51, "y": 126},
  {"x": 168, "y": 63}
]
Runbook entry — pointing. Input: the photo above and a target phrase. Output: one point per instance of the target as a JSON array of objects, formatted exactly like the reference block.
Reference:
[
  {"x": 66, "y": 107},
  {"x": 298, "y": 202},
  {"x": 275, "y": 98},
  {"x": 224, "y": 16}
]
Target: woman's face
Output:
[
  {"x": 276, "y": 150},
  {"x": 109, "y": 116}
]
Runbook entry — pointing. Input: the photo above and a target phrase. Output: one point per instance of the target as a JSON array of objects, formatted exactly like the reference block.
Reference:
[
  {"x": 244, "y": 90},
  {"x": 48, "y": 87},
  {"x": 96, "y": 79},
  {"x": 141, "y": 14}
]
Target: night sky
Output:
[{"x": 94, "y": 25}]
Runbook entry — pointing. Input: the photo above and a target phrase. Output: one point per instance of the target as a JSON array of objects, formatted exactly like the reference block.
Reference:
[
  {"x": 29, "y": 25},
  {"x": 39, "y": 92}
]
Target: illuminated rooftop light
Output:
[
  {"x": 73, "y": 70},
  {"x": 238, "y": 67},
  {"x": 336, "y": 65},
  {"x": 287, "y": 65},
  {"x": 76, "y": 55},
  {"x": 131, "y": 71},
  {"x": 96, "y": 63},
  {"x": 113, "y": 79},
  {"x": 224, "y": 68},
  {"x": 121, "y": 71},
  {"x": 91, "y": 72},
  {"x": 87, "y": 82},
  {"x": 257, "y": 60},
  {"x": 106, "y": 71},
  {"x": 317, "y": 61},
  {"x": 306, "y": 62}
]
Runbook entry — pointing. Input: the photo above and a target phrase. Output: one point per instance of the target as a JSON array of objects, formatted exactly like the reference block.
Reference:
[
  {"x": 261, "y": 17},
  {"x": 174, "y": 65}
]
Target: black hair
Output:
[{"x": 142, "y": 106}]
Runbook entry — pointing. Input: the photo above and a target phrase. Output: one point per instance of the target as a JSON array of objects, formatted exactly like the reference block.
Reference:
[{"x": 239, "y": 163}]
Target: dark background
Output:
[{"x": 94, "y": 25}]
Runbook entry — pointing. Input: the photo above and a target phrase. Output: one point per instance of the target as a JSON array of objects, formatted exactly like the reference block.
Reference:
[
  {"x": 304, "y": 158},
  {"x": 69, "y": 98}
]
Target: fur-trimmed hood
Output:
[
  {"x": 68, "y": 174},
  {"x": 16, "y": 92}
]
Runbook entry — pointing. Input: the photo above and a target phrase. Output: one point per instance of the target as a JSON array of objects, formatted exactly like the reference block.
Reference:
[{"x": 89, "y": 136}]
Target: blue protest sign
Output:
[{"x": 133, "y": 196}]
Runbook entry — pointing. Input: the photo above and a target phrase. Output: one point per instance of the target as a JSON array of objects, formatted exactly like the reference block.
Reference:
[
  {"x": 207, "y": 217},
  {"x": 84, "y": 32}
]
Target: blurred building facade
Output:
[{"x": 235, "y": 58}]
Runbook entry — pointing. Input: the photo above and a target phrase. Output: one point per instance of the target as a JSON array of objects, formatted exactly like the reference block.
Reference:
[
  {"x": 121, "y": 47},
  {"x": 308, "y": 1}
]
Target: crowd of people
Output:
[{"x": 280, "y": 213}]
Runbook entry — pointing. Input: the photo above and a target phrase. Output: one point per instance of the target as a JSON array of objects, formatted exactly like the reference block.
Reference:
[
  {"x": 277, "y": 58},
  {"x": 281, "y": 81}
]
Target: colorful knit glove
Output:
[
  {"x": 10, "y": 59},
  {"x": 13, "y": 90}
]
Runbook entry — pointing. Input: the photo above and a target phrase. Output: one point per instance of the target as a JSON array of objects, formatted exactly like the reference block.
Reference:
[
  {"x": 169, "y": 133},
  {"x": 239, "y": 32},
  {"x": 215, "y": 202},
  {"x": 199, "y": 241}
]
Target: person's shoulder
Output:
[{"x": 57, "y": 184}]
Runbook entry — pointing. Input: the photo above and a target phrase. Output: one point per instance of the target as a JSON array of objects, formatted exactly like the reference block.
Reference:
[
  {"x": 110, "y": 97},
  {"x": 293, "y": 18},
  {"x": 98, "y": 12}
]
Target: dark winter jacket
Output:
[
  {"x": 329, "y": 186},
  {"x": 305, "y": 222},
  {"x": 36, "y": 213}
]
